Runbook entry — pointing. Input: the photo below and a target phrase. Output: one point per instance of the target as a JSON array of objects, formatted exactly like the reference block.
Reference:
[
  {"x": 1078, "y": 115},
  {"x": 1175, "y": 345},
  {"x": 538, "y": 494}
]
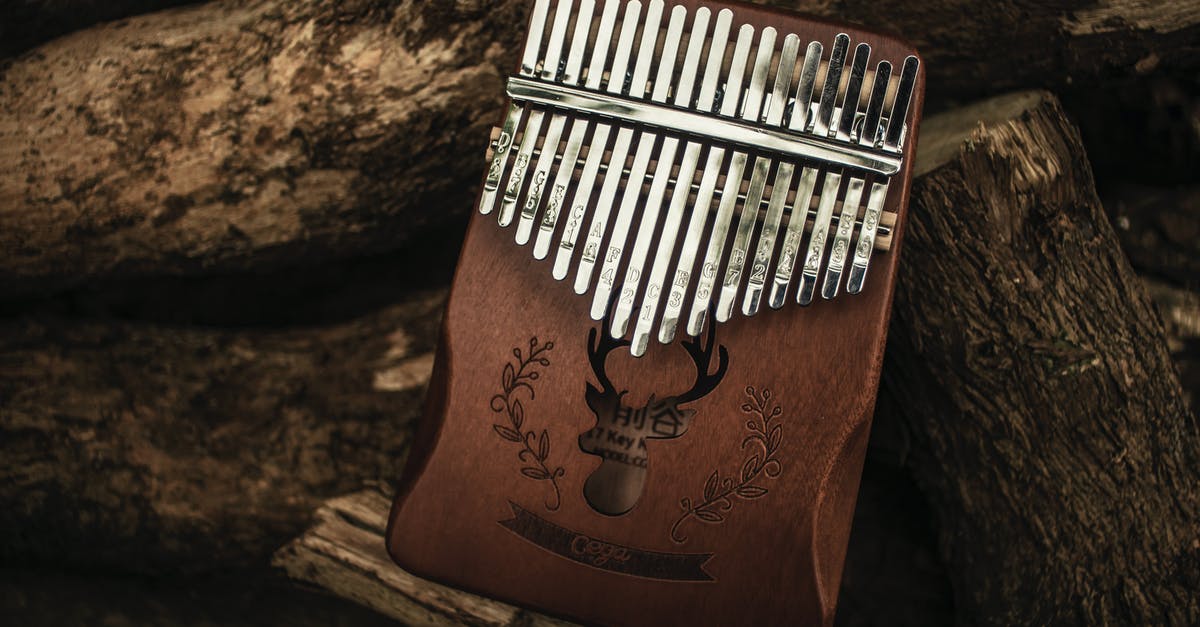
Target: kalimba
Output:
[{"x": 653, "y": 390}]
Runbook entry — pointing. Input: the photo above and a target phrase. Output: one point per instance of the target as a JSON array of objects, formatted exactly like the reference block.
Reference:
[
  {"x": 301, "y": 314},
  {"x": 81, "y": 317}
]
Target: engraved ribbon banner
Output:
[{"x": 597, "y": 553}]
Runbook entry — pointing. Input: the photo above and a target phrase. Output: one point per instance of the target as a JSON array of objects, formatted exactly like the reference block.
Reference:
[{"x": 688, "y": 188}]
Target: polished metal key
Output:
[
  {"x": 615, "y": 177},
  {"x": 658, "y": 186},
  {"x": 533, "y": 126},
  {"x": 633, "y": 192},
  {"x": 569, "y": 76},
  {"x": 798, "y": 217},
  {"x": 529, "y": 62},
  {"x": 711, "y": 270},
  {"x": 706, "y": 101},
  {"x": 822, "y": 126},
  {"x": 775, "y": 108},
  {"x": 708, "y": 184},
  {"x": 893, "y": 136},
  {"x": 599, "y": 141},
  {"x": 854, "y": 188},
  {"x": 579, "y": 127}
]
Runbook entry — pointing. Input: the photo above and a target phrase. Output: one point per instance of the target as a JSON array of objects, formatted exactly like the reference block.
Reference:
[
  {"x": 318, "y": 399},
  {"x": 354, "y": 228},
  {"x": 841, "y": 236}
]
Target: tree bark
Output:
[
  {"x": 979, "y": 48},
  {"x": 155, "y": 448},
  {"x": 226, "y": 138},
  {"x": 1047, "y": 423}
]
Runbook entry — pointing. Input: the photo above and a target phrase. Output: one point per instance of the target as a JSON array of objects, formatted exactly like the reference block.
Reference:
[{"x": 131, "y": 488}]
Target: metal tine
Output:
[
  {"x": 706, "y": 102},
  {"x": 820, "y": 229},
  {"x": 751, "y": 108},
  {"x": 816, "y": 243},
  {"x": 613, "y": 178},
  {"x": 866, "y": 238},
  {"x": 533, "y": 126},
  {"x": 858, "y": 70},
  {"x": 708, "y": 185},
  {"x": 879, "y": 190},
  {"x": 633, "y": 189},
  {"x": 808, "y": 180},
  {"x": 558, "y": 121},
  {"x": 529, "y": 60},
  {"x": 833, "y": 79},
  {"x": 599, "y": 142},
  {"x": 579, "y": 128},
  {"x": 658, "y": 186},
  {"x": 870, "y": 130},
  {"x": 854, "y": 188},
  {"x": 756, "y": 282},
  {"x": 841, "y": 239},
  {"x": 895, "y": 125},
  {"x": 748, "y": 218}
]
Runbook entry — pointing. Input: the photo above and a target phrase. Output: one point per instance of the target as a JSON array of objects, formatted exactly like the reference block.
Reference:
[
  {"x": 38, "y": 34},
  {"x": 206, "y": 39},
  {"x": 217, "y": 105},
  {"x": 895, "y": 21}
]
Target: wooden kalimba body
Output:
[{"x": 659, "y": 360}]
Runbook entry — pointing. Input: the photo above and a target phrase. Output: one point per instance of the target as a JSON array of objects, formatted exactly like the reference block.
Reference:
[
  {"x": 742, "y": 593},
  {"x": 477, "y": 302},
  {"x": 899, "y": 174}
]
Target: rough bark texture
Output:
[
  {"x": 1180, "y": 313},
  {"x": 227, "y": 137},
  {"x": 1048, "y": 426},
  {"x": 1159, "y": 229},
  {"x": 153, "y": 448},
  {"x": 224, "y": 137},
  {"x": 976, "y": 48}
]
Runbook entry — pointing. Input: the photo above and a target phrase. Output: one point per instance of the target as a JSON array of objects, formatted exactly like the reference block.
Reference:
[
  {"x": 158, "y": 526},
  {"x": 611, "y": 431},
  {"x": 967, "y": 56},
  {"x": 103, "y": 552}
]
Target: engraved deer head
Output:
[{"x": 619, "y": 437}]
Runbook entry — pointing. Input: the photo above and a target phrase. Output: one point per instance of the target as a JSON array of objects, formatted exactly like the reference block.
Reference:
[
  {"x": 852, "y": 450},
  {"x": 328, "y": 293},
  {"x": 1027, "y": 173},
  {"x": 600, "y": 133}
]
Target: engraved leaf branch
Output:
[
  {"x": 535, "y": 446},
  {"x": 765, "y": 434}
]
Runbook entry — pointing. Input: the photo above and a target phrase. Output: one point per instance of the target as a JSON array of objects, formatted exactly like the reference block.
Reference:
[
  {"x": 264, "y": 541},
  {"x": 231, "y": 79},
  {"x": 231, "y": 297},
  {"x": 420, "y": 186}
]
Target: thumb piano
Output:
[{"x": 659, "y": 360}]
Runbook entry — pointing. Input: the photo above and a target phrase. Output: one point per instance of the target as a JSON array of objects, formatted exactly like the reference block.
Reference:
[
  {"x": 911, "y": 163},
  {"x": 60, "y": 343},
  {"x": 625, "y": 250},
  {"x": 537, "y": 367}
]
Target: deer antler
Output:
[
  {"x": 599, "y": 346},
  {"x": 702, "y": 355}
]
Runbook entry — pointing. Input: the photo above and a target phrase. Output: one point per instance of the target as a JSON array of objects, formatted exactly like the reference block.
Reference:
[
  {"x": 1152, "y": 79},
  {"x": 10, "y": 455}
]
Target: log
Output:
[
  {"x": 1180, "y": 313},
  {"x": 974, "y": 49},
  {"x": 1159, "y": 228},
  {"x": 344, "y": 553},
  {"x": 1053, "y": 506},
  {"x": 229, "y": 137},
  {"x": 1048, "y": 427},
  {"x": 233, "y": 137},
  {"x": 27, "y": 23},
  {"x": 156, "y": 448}
]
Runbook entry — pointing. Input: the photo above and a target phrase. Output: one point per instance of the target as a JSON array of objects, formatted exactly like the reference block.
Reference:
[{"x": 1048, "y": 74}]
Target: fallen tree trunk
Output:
[
  {"x": 979, "y": 48},
  {"x": 152, "y": 448},
  {"x": 344, "y": 554},
  {"x": 225, "y": 138},
  {"x": 1048, "y": 426}
]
